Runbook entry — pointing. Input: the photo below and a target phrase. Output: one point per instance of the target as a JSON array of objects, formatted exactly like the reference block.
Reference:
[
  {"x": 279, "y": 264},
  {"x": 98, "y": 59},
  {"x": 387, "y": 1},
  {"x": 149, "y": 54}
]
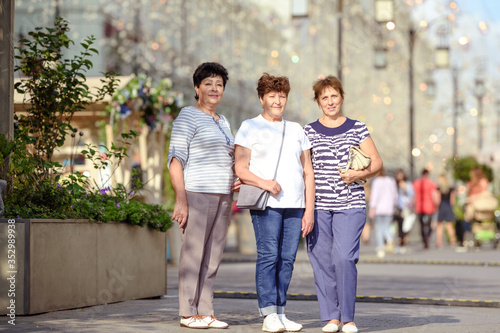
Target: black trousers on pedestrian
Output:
[{"x": 425, "y": 228}]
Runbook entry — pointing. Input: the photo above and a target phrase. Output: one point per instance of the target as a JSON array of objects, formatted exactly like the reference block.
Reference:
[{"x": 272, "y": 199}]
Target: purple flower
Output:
[
  {"x": 71, "y": 205},
  {"x": 58, "y": 185},
  {"x": 117, "y": 205},
  {"x": 18, "y": 216},
  {"x": 103, "y": 191}
]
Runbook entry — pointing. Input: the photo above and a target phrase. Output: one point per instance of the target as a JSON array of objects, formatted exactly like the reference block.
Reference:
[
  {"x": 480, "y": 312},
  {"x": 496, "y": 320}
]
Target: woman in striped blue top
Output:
[
  {"x": 340, "y": 208},
  {"x": 200, "y": 160}
]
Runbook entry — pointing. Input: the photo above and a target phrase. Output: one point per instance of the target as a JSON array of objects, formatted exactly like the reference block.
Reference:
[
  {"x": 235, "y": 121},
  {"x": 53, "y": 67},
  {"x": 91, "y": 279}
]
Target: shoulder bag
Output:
[{"x": 253, "y": 197}]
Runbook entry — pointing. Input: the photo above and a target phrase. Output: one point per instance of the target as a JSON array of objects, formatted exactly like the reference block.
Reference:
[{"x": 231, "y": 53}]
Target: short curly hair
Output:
[
  {"x": 329, "y": 81},
  {"x": 268, "y": 83},
  {"x": 209, "y": 69}
]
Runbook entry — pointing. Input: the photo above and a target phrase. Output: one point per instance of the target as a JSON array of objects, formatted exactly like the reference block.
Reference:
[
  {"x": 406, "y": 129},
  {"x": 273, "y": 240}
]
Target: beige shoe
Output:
[
  {"x": 212, "y": 322},
  {"x": 193, "y": 322}
]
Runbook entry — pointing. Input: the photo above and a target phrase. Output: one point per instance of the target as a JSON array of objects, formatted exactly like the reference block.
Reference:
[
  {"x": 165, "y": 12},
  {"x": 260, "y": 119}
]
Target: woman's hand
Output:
[
  {"x": 307, "y": 222},
  {"x": 273, "y": 187},
  {"x": 235, "y": 187},
  {"x": 180, "y": 213},
  {"x": 349, "y": 176}
]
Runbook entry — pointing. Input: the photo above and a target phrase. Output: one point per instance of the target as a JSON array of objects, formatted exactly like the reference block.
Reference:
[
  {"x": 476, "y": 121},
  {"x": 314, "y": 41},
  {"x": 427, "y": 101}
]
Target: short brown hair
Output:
[
  {"x": 329, "y": 81},
  {"x": 268, "y": 83}
]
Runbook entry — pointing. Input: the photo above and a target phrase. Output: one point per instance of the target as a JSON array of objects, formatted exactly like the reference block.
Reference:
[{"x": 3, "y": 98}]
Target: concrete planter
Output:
[{"x": 65, "y": 264}]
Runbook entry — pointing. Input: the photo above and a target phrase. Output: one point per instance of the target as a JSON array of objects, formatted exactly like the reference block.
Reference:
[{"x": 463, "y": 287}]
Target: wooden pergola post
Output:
[{"x": 7, "y": 67}]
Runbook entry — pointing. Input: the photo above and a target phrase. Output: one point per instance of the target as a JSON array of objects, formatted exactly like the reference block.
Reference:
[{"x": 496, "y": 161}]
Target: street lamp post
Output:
[
  {"x": 412, "y": 34},
  {"x": 384, "y": 13},
  {"x": 479, "y": 91},
  {"x": 498, "y": 121},
  {"x": 339, "y": 54},
  {"x": 456, "y": 104}
]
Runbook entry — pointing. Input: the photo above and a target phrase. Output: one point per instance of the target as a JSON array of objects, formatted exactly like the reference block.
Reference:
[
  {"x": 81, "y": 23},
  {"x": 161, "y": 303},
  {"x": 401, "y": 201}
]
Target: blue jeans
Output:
[
  {"x": 277, "y": 233},
  {"x": 383, "y": 229}
]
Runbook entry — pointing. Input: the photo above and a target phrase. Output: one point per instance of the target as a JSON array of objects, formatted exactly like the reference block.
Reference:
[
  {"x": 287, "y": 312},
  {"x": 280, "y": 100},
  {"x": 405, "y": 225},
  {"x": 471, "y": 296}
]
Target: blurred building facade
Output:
[{"x": 169, "y": 38}]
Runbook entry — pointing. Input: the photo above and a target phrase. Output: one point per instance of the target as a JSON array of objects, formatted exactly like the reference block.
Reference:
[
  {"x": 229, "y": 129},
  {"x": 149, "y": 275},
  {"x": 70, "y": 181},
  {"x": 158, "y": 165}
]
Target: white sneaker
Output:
[
  {"x": 193, "y": 322},
  {"x": 212, "y": 322},
  {"x": 273, "y": 324},
  {"x": 290, "y": 326},
  {"x": 380, "y": 253}
]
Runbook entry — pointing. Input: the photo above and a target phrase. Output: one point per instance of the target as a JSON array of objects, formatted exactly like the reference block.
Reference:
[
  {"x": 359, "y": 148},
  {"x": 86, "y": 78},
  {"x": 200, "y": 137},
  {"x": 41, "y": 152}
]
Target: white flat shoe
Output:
[
  {"x": 349, "y": 329},
  {"x": 330, "y": 328}
]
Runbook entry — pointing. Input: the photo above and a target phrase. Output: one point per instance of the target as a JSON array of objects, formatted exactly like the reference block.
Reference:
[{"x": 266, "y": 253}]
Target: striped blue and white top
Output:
[
  {"x": 205, "y": 148},
  {"x": 330, "y": 150}
]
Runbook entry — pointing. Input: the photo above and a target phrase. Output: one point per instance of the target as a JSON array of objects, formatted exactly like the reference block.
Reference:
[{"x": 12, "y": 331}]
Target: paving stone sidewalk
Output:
[{"x": 473, "y": 279}]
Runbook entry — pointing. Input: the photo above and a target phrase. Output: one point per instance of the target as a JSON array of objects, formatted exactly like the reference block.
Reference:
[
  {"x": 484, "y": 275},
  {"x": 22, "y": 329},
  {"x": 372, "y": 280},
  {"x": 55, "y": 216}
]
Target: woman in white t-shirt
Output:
[{"x": 290, "y": 208}]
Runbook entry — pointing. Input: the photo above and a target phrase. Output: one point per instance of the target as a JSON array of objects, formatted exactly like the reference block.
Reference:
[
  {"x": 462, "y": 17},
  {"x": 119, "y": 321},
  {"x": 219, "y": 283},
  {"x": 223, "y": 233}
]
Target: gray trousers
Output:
[{"x": 203, "y": 240}]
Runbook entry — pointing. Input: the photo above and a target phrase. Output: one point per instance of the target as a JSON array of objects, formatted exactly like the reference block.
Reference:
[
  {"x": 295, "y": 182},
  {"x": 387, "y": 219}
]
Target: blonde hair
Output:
[{"x": 444, "y": 183}]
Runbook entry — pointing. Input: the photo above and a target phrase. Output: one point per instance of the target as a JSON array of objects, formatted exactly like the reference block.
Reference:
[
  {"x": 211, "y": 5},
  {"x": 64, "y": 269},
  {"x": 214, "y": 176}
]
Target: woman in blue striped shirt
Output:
[
  {"x": 340, "y": 208},
  {"x": 200, "y": 161}
]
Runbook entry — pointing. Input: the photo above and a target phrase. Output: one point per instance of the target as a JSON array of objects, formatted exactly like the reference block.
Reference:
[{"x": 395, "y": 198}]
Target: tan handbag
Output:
[{"x": 357, "y": 161}]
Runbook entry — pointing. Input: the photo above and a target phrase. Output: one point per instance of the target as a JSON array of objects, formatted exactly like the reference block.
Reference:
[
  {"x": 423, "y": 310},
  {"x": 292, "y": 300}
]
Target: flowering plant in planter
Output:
[
  {"x": 155, "y": 101},
  {"x": 54, "y": 89}
]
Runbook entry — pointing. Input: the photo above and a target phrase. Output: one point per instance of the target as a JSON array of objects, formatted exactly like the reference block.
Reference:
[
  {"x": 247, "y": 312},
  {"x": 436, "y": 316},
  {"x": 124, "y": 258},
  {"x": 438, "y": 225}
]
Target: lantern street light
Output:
[
  {"x": 479, "y": 91},
  {"x": 384, "y": 11}
]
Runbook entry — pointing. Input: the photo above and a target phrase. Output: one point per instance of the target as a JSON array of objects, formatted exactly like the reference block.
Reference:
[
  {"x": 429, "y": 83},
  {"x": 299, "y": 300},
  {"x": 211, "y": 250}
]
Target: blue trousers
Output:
[
  {"x": 383, "y": 229},
  {"x": 333, "y": 248},
  {"x": 277, "y": 233}
]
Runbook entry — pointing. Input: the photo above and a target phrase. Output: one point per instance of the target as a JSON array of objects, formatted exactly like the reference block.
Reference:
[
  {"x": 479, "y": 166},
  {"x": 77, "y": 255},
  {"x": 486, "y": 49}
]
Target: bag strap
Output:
[{"x": 281, "y": 148}]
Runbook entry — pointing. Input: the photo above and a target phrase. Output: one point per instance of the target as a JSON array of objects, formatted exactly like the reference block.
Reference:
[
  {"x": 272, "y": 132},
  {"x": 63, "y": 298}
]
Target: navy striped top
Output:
[
  {"x": 205, "y": 148},
  {"x": 330, "y": 150}
]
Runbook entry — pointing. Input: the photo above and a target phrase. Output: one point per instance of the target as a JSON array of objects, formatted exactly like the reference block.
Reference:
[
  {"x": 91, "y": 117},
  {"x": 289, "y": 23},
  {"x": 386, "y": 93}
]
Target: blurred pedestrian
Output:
[
  {"x": 290, "y": 208},
  {"x": 365, "y": 235},
  {"x": 446, "y": 217},
  {"x": 383, "y": 200},
  {"x": 477, "y": 185},
  {"x": 426, "y": 200},
  {"x": 404, "y": 208},
  {"x": 340, "y": 214},
  {"x": 200, "y": 160}
]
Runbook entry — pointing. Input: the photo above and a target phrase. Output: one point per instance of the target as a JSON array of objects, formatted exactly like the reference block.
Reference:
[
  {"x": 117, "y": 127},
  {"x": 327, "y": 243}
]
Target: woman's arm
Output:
[
  {"x": 453, "y": 197},
  {"x": 367, "y": 147},
  {"x": 310, "y": 192},
  {"x": 242, "y": 162},
  {"x": 181, "y": 206}
]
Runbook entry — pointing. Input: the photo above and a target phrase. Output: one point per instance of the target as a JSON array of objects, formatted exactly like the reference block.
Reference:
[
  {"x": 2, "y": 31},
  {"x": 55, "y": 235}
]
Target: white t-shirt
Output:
[{"x": 263, "y": 137}]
